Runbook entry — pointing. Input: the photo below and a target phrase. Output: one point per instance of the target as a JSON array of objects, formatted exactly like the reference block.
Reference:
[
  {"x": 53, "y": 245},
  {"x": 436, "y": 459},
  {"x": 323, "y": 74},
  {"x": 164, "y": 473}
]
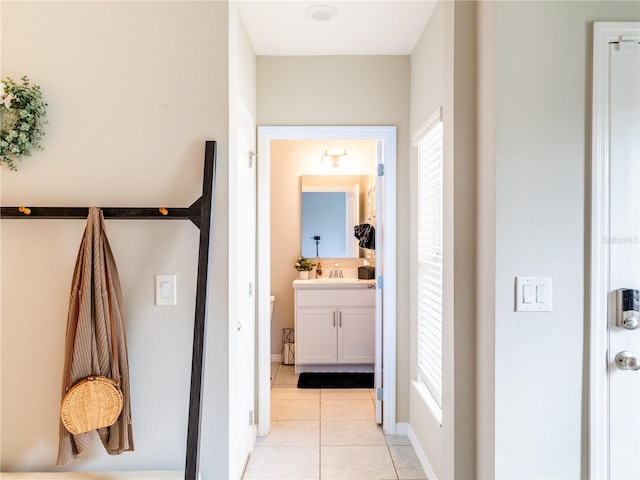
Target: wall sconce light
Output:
[{"x": 334, "y": 161}]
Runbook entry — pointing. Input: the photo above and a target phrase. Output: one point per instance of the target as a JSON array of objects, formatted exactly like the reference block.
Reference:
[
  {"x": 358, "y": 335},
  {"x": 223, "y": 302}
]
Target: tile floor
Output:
[{"x": 327, "y": 434}]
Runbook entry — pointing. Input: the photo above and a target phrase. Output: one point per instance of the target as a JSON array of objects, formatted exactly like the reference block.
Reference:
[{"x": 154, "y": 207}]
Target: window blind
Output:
[{"x": 430, "y": 265}]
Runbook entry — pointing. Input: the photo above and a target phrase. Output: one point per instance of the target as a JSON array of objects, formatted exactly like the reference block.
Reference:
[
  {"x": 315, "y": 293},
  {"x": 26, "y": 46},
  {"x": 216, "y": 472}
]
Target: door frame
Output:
[
  {"x": 604, "y": 33},
  {"x": 387, "y": 135}
]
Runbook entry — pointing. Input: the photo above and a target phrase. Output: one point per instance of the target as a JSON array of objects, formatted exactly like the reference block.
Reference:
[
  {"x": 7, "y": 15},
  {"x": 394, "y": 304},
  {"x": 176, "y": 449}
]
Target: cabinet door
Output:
[
  {"x": 356, "y": 335},
  {"x": 316, "y": 330}
]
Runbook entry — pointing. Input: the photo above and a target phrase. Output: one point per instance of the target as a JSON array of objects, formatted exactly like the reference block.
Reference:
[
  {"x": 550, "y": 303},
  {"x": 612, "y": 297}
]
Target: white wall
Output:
[
  {"x": 543, "y": 88},
  {"x": 134, "y": 90}
]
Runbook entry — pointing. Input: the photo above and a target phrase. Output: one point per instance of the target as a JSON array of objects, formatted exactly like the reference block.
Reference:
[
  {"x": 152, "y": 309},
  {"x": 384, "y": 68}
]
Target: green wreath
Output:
[{"x": 22, "y": 112}]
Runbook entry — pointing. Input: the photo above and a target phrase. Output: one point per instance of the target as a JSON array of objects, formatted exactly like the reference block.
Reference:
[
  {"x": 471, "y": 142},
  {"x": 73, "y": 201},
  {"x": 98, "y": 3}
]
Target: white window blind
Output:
[{"x": 430, "y": 265}]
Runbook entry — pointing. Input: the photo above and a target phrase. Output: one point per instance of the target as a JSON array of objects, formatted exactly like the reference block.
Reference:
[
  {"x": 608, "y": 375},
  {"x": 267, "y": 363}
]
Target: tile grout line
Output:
[{"x": 320, "y": 435}]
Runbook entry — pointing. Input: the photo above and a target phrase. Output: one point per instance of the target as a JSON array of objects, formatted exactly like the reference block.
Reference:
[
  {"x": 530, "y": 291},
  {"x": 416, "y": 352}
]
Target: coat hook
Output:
[
  {"x": 25, "y": 210},
  {"x": 163, "y": 211}
]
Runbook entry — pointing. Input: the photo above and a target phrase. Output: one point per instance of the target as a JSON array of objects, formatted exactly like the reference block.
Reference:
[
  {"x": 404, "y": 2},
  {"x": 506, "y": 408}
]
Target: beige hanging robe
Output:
[{"x": 88, "y": 340}]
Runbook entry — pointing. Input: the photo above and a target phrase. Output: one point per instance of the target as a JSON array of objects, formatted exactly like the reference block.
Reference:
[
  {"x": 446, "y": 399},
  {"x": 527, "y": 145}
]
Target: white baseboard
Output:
[
  {"x": 428, "y": 469},
  {"x": 402, "y": 429},
  {"x": 276, "y": 358},
  {"x": 123, "y": 475}
]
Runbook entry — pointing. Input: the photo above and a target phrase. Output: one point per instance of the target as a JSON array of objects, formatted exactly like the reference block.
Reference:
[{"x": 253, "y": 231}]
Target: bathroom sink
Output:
[{"x": 335, "y": 280}]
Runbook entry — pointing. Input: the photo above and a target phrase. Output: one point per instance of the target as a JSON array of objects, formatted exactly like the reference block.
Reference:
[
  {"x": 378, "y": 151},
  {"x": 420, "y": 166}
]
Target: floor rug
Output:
[{"x": 335, "y": 380}]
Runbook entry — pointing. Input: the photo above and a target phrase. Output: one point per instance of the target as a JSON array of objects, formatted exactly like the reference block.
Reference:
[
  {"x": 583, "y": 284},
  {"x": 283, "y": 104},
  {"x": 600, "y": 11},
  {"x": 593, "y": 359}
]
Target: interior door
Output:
[
  {"x": 380, "y": 214},
  {"x": 242, "y": 325},
  {"x": 624, "y": 260}
]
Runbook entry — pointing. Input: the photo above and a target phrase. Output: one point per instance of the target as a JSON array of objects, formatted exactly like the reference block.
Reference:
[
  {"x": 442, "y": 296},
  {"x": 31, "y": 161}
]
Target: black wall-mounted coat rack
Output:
[{"x": 201, "y": 214}]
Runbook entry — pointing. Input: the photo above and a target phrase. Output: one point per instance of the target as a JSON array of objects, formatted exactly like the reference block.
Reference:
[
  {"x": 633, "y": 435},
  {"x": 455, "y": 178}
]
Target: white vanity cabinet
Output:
[{"x": 335, "y": 328}]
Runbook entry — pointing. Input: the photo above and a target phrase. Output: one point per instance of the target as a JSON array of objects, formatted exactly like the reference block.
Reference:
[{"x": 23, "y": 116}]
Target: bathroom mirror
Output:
[{"x": 332, "y": 205}]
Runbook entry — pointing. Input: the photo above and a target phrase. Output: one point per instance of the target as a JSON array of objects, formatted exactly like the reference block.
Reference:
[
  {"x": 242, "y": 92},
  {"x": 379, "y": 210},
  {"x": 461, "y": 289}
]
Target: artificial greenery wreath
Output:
[{"x": 22, "y": 112}]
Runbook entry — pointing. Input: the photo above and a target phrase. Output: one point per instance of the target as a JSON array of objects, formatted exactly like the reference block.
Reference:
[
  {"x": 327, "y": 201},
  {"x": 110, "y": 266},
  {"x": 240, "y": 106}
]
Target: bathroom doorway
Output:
[{"x": 385, "y": 138}]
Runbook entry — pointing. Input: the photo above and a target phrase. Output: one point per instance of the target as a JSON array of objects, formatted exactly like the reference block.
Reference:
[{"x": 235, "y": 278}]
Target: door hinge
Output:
[
  {"x": 381, "y": 169},
  {"x": 380, "y": 394},
  {"x": 250, "y": 417},
  {"x": 251, "y": 289},
  {"x": 252, "y": 156},
  {"x": 380, "y": 282}
]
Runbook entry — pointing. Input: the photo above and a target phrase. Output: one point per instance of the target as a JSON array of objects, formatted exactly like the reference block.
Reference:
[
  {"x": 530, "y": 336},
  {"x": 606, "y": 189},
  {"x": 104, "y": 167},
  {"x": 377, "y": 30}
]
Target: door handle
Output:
[
  {"x": 626, "y": 361},
  {"x": 334, "y": 319}
]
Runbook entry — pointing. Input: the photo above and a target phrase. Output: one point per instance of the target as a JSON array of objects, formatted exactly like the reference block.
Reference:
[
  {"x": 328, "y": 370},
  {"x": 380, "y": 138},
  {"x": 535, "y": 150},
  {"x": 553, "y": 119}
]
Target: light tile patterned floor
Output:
[{"x": 326, "y": 434}]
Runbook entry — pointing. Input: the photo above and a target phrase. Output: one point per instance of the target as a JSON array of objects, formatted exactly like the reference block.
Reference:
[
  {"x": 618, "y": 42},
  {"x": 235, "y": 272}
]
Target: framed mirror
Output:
[{"x": 331, "y": 208}]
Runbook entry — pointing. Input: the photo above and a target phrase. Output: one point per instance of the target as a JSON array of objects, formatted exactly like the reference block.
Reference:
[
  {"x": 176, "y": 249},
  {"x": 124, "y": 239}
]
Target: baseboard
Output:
[
  {"x": 402, "y": 429},
  {"x": 122, "y": 475},
  {"x": 276, "y": 358},
  {"x": 428, "y": 469}
]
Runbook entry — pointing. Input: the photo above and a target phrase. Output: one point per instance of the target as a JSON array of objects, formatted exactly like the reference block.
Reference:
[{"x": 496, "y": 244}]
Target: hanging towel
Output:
[
  {"x": 88, "y": 340},
  {"x": 366, "y": 233}
]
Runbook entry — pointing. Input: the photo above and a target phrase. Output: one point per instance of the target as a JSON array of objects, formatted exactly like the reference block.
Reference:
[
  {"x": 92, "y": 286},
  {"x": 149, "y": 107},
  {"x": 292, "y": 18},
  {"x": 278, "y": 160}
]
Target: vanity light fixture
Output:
[
  {"x": 334, "y": 161},
  {"x": 321, "y": 13}
]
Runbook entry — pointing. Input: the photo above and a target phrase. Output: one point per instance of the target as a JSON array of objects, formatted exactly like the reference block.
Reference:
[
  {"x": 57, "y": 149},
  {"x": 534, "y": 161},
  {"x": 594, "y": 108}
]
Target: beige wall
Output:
[
  {"x": 443, "y": 74},
  {"x": 290, "y": 159},
  {"x": 134, "y": 90},
  {"x": 427, "y": 95},
  {"x": 486, "y": 242},
  {"x": 369, "y": 90},
  {"x": 542, "y": 129}
]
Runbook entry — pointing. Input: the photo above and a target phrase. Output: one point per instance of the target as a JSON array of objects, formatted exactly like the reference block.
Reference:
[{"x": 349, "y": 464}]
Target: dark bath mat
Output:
[{"x": 335, "y": 380}]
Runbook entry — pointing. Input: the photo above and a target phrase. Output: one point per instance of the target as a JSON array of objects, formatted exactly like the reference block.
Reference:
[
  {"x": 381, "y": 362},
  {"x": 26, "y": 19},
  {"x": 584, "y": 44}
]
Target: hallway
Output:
[{"x": 324, "y": 434}]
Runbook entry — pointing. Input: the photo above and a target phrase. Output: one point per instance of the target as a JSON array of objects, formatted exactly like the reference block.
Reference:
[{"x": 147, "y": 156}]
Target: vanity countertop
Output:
[{"x": 333, "y": 284}]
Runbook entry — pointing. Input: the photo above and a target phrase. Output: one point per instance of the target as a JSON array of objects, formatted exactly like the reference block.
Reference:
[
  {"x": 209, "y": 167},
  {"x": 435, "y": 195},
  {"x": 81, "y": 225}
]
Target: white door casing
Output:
[
  {"x": 386, "y": 334},
  {"x": 614, "y": 434}
]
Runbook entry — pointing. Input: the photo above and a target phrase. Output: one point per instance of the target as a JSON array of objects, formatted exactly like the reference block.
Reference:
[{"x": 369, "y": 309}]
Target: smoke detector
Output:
[{"x": 321, "y": 13}]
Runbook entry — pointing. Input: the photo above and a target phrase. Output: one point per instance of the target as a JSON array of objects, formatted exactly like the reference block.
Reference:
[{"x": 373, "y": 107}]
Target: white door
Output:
[
  {"x": 614, "y": 433},
  {"x": 624, "y": 269},
  {"x": 378, "y": 372},
  {"x": 242, "y": 323}
]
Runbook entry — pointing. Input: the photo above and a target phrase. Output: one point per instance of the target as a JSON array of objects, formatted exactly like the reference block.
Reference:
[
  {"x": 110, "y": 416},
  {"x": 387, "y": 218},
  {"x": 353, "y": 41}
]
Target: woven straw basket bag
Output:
[{"x": 94, "y": 402}]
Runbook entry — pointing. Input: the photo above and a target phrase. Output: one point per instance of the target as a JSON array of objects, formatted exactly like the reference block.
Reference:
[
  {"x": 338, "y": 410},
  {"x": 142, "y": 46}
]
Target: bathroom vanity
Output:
[{"x": 335, "y": 325}]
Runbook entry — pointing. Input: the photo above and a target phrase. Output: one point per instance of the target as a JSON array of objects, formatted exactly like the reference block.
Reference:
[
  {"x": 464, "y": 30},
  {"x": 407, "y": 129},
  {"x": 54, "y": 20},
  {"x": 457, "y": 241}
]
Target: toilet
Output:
[{"x": 273, "y": 299}]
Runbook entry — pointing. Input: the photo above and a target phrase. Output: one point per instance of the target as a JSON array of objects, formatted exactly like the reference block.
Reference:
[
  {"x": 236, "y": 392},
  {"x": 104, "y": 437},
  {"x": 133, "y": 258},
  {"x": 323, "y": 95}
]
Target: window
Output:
[{"x": 429, "y": 140}]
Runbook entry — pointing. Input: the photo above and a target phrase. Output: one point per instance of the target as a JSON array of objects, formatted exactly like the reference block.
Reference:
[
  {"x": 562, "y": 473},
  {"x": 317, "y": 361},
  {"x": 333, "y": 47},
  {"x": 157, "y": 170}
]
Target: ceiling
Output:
[{"x": 361, "y": 27}]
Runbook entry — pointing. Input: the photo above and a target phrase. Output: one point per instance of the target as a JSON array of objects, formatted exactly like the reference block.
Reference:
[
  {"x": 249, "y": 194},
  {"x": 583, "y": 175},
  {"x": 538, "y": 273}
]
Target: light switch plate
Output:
[
  {"x": 165, "y": 289},
  {"x": 533, "y": 294}
]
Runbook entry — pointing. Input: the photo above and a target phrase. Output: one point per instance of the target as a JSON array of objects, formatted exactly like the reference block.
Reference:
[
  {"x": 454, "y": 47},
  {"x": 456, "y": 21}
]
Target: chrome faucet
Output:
[{"x": 335, "y": 273}]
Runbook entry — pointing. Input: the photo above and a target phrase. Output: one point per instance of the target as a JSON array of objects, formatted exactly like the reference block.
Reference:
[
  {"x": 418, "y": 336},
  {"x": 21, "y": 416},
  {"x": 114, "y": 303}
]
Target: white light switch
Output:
[
  {"x": 527, "y": 293},
  {"x": 533, "y": 294},
  {"x": 166, "y": 290}
]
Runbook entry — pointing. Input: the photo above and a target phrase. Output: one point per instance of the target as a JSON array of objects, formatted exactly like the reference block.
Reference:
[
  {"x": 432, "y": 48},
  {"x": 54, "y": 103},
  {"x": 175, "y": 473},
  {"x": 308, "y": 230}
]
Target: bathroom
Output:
[{"x": 298, "y": 162}]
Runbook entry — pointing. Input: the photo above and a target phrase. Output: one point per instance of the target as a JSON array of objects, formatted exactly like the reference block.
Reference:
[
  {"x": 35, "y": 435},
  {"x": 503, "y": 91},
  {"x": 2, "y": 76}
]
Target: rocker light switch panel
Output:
[
  {"x": 165, "y": 289},
  {"x": 533, "y": 294}
]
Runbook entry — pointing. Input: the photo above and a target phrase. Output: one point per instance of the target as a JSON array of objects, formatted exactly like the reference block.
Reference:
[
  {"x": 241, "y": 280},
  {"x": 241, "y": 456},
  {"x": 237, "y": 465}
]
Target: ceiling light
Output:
[{"x": 321, "y": 13}]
